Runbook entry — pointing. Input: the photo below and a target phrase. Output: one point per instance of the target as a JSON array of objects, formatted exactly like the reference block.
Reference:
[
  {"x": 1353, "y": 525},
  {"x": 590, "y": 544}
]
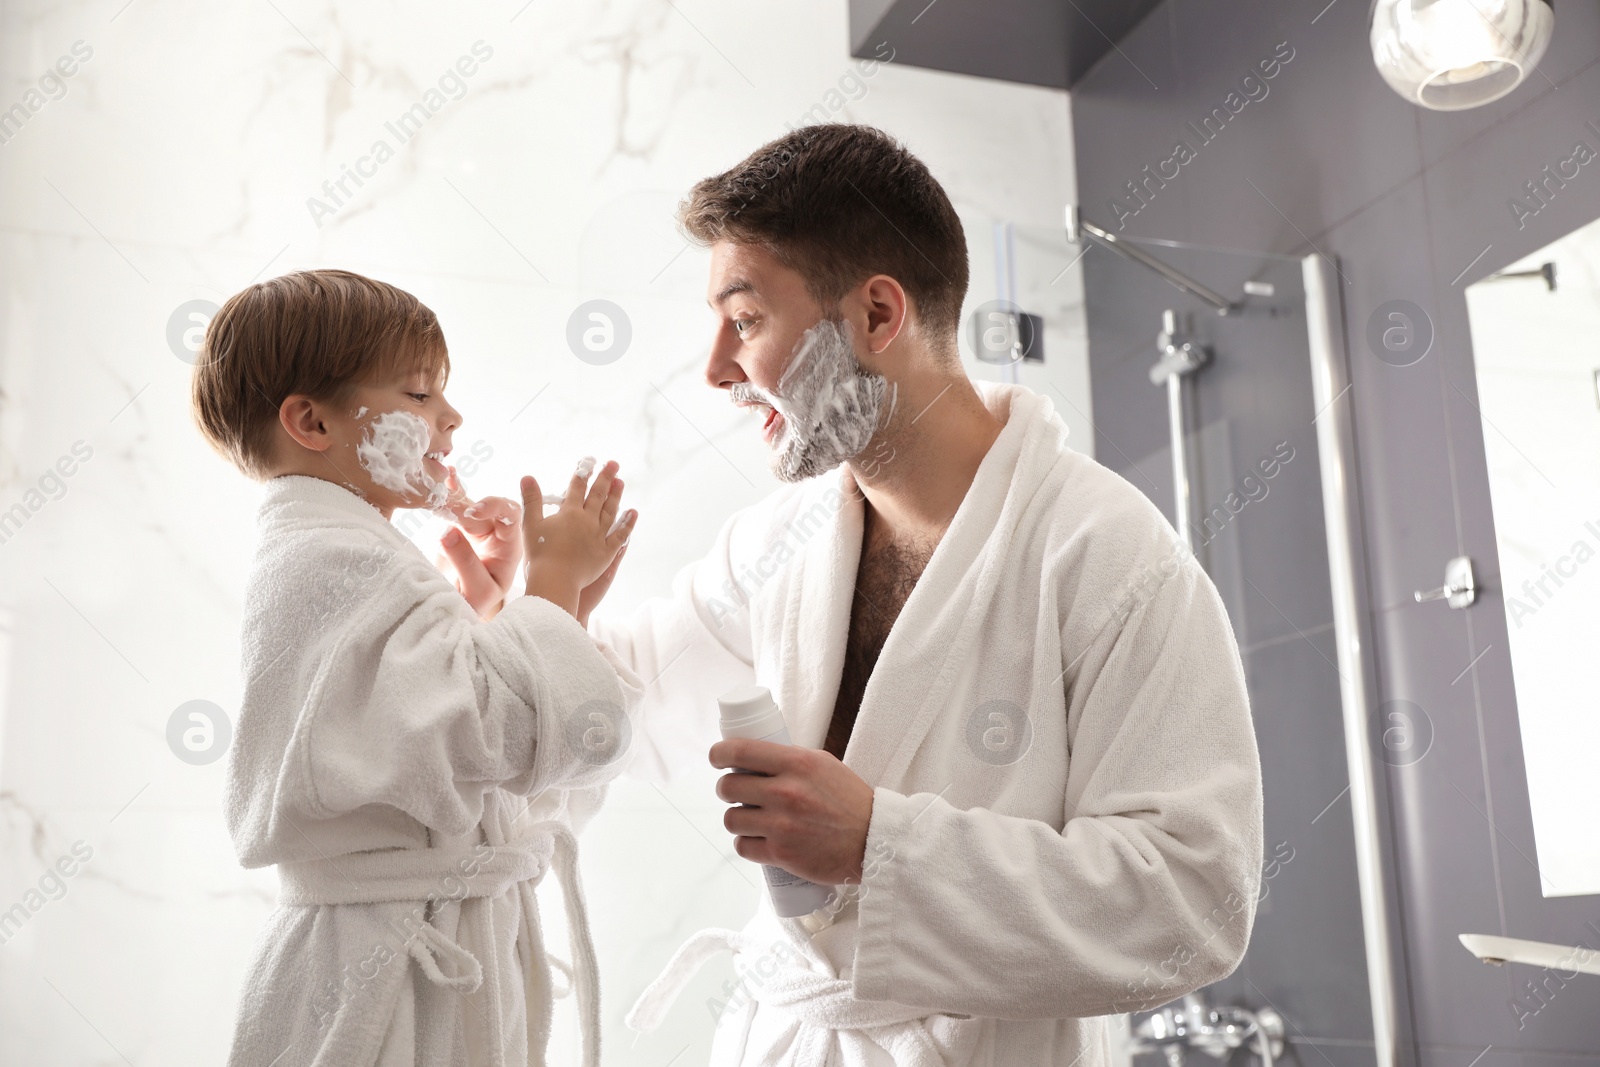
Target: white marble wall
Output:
[{"x": 175, "y": 164}]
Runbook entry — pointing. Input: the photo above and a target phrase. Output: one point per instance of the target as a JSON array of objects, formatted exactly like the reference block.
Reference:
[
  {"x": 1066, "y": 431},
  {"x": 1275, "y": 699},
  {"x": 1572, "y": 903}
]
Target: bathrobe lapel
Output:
[
  {"x": 810, "y": 669},
  {"x": 917, "y": 671},
  {"x": 921, "y": 665}
]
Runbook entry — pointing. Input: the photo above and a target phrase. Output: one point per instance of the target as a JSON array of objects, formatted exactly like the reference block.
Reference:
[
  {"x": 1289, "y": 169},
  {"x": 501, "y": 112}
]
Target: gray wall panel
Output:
[
  {"x": 1038, "y": 42},
  {"x": 1405, "y": 199}
]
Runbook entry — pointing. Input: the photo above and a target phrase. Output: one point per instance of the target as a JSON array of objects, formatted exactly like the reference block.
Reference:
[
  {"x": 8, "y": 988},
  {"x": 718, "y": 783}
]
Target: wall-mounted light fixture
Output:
[{"x": 1454, "y": 54}]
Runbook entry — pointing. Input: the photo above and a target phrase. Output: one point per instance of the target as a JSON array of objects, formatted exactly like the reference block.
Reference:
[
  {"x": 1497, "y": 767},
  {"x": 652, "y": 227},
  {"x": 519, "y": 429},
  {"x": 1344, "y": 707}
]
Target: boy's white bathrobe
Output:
[
  {"x": 414, "y": 772},
  {"x": 1066, "y": 818}
]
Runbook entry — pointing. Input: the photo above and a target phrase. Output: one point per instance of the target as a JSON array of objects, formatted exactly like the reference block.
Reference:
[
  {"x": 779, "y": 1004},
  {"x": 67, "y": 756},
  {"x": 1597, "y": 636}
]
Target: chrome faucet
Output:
[{"x": 1190, "y": 1024}]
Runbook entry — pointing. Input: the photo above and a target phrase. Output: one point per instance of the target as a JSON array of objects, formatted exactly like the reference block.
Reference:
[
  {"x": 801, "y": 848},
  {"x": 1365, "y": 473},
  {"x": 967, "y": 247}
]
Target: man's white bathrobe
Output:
[
  {"x": 413, "y": 772},
  {"x": 1066, "y": 817}
]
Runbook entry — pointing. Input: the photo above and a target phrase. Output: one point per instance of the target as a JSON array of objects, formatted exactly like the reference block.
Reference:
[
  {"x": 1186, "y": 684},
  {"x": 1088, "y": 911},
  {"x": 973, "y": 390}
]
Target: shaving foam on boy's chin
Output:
[
  {"x": 392, "y": 451},
  {"x": 830, "y": 406}
]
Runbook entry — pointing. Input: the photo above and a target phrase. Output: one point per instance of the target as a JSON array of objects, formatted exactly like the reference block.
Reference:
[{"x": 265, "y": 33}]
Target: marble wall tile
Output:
[{"x": 176, "y": 164}]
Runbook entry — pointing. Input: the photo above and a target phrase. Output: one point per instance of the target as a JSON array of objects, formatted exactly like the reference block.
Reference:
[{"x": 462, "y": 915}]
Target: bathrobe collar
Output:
[
  {"x": 299, "y": 497},
  {"x": 913, "y": 673}
]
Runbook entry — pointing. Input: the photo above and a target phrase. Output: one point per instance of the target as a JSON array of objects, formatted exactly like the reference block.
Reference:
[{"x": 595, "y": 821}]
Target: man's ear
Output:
[
  {"x": 301, "y": 417},
  {"x": 880, "y": 312}
]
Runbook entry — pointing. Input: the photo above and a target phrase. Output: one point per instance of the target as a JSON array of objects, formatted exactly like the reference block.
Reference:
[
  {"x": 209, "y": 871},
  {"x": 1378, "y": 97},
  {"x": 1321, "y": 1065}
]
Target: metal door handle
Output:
[{"x": 1460, "y": 588}]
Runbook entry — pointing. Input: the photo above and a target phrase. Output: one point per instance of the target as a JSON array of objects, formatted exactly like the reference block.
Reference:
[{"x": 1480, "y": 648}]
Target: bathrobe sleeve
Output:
[
  {"x": 687, "y": 650},
  {"x": 1149, "y": 889},
  {"x": 415, "y": 703}
]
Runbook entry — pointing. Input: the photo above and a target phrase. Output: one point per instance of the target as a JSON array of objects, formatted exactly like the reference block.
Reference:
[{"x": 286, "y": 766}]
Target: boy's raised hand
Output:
[
  {"x": 596, "y": 590},
  {"x": 575, "y": 548},
  {"x": 484, "y": 547}
]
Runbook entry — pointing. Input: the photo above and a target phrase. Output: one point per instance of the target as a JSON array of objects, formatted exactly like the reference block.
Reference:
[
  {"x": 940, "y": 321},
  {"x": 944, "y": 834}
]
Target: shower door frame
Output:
[{"x": 1348, "y": 585}]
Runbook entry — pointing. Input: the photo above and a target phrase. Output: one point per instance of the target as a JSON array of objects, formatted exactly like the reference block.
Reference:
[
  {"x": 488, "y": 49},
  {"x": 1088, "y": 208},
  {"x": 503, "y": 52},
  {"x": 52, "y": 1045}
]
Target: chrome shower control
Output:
[{"x": 1460, "y": 587}]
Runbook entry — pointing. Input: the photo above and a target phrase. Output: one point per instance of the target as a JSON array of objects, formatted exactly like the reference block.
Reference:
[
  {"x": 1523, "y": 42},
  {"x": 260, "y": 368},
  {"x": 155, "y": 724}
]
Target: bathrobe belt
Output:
[
  {"x": 827, "y": 1009},
  {"x": 426, "y": 874}
]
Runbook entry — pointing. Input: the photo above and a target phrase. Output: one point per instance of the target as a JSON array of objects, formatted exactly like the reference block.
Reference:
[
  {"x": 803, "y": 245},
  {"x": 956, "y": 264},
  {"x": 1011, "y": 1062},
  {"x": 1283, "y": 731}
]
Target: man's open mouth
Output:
[
  {"x": 772, "y": 425},
  {"x": 772, "y": 421}
]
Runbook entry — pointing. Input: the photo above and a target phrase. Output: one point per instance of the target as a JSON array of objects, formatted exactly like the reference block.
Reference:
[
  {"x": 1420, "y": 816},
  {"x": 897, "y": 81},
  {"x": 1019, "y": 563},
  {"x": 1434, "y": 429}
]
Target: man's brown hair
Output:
[
  {"x": 319, "y": 333},
  {"x": 837, "y": 204}
]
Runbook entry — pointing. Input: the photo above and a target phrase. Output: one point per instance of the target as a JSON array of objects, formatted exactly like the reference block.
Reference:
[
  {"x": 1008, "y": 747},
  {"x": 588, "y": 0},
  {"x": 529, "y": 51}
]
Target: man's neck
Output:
[{"x": 918, "y": 469}]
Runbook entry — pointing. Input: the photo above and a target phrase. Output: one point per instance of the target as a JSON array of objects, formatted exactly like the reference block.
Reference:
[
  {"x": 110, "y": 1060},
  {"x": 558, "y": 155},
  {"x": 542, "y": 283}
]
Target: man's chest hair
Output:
[
  {"x": 887, "y": 574},
  {"x": 884, "y": 579}
]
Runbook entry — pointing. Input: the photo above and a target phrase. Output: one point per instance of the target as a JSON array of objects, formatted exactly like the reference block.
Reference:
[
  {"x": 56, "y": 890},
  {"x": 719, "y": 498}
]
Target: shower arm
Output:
[{"x": 1078, "y": 229}]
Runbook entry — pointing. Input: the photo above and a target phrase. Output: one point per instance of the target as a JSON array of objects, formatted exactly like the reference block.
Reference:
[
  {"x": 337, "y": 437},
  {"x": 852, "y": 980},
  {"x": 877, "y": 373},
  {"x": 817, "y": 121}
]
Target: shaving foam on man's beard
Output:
[
  {"x": 830, "y": 406},
  {"x": 392, "y": 451}
]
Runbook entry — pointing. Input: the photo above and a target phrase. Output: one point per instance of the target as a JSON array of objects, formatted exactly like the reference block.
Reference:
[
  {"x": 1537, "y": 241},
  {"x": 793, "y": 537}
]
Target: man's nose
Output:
[{"x": 722, "y": 370}]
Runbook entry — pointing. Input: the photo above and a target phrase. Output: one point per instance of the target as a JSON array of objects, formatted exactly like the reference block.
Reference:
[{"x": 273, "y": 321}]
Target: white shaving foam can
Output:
[{"x": 750, "y": 712}]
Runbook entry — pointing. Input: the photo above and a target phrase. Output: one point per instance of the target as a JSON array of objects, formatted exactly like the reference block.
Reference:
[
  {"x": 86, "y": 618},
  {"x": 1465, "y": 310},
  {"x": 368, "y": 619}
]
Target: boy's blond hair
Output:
[{"x": 319, "y": 333}]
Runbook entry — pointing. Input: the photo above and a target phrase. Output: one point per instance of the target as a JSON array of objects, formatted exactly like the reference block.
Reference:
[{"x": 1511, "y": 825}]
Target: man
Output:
[{"x": 1022, "y": 744}]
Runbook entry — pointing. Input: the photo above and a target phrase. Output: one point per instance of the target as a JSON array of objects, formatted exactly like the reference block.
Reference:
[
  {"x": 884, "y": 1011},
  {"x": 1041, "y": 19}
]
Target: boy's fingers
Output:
[
  {"x": 494, "y": 511},
  {"x": 611, "y": 571},
  {"x": 532, "y": 501},
  {"x": 477, "y": 585},
  {"x": 601, "y": 489},
  {"x": 613, "y": 503},
  {"x": 457, "y": 502},
  {"x": 622, "y": 530},
  {"x": 579, "y": 482}
]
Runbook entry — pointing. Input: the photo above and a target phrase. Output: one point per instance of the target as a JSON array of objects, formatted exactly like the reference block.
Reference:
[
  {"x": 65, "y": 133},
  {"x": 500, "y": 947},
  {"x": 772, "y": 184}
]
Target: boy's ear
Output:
[{"x": 301, "y": 417}]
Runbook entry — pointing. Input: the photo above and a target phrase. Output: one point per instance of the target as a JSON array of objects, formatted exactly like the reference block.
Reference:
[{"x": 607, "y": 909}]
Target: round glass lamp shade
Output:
[{"x": 1453, "y": 54}]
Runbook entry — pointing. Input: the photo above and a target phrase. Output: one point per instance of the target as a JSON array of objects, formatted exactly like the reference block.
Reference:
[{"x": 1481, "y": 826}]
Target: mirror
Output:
[{"x": 1536, "y": 345}]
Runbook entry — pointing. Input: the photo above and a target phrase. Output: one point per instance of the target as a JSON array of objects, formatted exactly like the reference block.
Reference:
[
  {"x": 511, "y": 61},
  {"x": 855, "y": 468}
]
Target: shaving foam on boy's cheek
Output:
[
  {"x": 392, "y": 450},
  {"x": 830, "y": 406}
]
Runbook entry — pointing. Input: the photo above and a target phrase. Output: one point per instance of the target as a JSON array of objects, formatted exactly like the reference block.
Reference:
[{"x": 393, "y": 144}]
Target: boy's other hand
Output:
[
  {"x": 484, "y": 548},
  {"x": 596, "y": 590},
  {"x": 572, "y": 550}
]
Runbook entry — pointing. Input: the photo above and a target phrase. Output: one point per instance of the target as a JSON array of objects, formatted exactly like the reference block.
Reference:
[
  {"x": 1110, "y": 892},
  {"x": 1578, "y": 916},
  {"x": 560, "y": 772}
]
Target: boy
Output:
[{"x": 412, "y": 770}]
